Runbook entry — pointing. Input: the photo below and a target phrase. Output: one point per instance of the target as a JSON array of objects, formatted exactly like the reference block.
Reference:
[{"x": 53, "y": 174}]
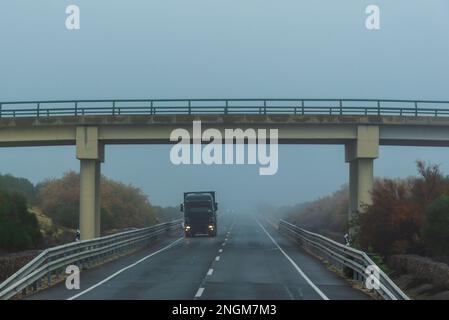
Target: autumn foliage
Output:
[
  {"x": 122, "y": 206},
  {"x": 407, "y": 215},
  {"x": 399, "y": 216}
]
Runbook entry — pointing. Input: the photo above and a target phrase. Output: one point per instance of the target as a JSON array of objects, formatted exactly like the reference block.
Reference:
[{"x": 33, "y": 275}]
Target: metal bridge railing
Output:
[
  {"x": 344, "y": 257},
  {"x": 52, "y": 262},
  {"x": 369, "y": 107}
]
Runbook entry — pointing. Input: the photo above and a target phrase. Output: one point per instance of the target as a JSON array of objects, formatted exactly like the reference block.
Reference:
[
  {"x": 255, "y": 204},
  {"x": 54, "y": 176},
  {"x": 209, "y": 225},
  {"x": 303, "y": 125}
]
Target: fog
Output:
[{"x": 223, "y": 49}]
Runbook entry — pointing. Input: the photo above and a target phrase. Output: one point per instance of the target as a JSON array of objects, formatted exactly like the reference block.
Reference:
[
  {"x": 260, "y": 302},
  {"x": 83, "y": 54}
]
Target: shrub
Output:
[
  {"x": 436, "y": 230},
  {"x": 122, "y": 206},
  {"x": 19, "y": 229}
]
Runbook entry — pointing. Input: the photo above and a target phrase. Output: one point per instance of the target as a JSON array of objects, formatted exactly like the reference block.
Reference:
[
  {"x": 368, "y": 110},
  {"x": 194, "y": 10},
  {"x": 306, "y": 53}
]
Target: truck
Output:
[{"x": 200, "y": 213}]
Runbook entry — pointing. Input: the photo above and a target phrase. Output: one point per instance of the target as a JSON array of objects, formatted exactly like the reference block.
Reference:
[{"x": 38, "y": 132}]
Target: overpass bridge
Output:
[{"x": 360, "y": 125}]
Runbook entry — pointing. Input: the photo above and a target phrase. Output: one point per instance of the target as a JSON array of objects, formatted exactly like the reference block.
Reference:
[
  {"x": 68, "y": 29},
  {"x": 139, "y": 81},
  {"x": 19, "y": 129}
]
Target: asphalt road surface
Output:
[{"x": 248, "y": 259}]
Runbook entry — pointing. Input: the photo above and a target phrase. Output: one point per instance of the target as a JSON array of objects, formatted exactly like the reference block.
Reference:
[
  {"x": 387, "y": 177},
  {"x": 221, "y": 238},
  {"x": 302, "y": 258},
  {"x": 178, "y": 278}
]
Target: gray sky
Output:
[{"x": 217, "y": 49}]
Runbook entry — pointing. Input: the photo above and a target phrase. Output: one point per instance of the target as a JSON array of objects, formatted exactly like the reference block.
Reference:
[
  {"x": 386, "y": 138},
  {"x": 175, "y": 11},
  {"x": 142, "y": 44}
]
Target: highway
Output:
[{"x": 248, "y": 259}]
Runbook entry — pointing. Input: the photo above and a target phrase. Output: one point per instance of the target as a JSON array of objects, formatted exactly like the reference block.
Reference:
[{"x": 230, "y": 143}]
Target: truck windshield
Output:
[{"x": 198, "y": 204}]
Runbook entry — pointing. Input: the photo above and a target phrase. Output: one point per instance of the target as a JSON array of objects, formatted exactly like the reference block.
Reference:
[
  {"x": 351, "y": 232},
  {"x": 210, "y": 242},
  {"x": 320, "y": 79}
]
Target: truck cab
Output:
[{"x": 200, "y": 213}]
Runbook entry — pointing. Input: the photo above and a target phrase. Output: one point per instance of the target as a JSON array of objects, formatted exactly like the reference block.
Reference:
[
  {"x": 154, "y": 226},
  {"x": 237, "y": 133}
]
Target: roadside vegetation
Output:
[
  {"x": 47, "y": 214},
  {"x": 408, "y": 216}
]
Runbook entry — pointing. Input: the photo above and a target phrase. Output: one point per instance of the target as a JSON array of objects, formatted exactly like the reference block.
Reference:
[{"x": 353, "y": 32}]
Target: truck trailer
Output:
[{"x": 200, "y": 213}]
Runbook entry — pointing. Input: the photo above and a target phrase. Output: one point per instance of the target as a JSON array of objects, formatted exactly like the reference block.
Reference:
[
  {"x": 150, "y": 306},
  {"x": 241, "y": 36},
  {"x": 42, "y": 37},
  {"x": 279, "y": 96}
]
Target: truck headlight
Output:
[
  {"x": 187, "y": 228},
  {"x": 211, "y": 227}
]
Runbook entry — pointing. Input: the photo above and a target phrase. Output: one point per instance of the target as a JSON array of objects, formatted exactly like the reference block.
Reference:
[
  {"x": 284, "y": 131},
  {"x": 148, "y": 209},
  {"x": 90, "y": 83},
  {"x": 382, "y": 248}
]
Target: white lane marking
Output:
[
  {"x": 124, "y": 269},
  {"x": 209, "y": 273},
  {"x": 221, "y": 250},
  {"x": 199, "y": 292},
  {"x": 223, "y": 244},
  {"x": 317, "y": 290},
  {"x": 217, "y": 258}
]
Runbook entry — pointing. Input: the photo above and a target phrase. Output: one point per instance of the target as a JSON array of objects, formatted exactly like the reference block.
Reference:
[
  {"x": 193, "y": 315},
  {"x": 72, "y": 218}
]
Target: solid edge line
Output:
[
  {"x": 199, "y": 293},
  {"x": 124, "y": 269},
  {"x": 317, "y": 290}
]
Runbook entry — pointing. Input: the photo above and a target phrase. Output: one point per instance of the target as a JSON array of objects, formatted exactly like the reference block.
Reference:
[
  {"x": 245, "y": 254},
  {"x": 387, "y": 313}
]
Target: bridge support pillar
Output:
[
  {"x": 90, "y": 152},
  {"x": 360, "y": 155}
]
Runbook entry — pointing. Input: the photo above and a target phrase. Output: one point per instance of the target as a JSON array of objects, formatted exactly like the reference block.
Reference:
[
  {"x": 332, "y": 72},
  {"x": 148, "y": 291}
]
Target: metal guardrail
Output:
[
  {"x": 346, "y": 257},
  {"x": 224, "y": 106},
  {"x": 85, "y": 253}
]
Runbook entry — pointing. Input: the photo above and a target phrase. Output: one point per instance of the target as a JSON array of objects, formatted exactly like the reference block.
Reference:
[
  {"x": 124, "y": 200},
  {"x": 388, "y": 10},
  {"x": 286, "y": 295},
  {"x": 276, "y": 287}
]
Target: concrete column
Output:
[
  {"x": 89, "y": 199},
  {"x": 361, "y": 180},
  {"x": 353, "y": 207},
  {"x": 360, "y": 155},
  {"x": 97, "y": 199},
  {"x": 90, "y": 152}
]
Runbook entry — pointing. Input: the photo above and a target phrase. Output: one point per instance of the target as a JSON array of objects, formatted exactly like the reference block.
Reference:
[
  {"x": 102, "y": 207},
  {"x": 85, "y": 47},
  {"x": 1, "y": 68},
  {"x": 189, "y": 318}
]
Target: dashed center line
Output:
[
  {"x": 199, "y": 292},
  {"x": 221, "y": 250},
  {"x": 217, "y": 258},
  {"x": 209, "y": 273}
]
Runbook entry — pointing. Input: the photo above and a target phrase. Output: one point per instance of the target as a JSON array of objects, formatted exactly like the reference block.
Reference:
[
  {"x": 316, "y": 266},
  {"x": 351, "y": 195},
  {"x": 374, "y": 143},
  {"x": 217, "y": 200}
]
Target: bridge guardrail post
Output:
[{"x": 76, "y": 108}]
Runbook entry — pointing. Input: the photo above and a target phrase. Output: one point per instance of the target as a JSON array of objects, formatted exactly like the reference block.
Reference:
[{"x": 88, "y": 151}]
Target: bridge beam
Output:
[
  {"x": 360, "y": 155},
  {"x": 90, "y": 152}
]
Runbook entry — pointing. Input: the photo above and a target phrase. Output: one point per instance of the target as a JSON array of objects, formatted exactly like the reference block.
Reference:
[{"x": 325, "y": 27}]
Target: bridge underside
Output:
[{"x": 361, "y": 136}]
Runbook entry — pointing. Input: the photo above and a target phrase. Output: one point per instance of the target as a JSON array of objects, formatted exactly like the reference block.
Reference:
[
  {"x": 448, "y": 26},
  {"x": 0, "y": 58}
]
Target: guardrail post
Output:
[
  {"x": 341, "y": 107},
  {"x": 113, "y": 108},
  {"x": 302, "y": 107},
  {"x": 38, "y": 109},
  {"x": 76, "y": 108},
  {"x": 49, "y": 278},
  {"x": 190, "y": 106},
  {"x": 378, "y": 107},
  {"x": 226, "y": 107},
  {"x": 1, "y": 110},
  {"x": 151, "y": 107},
  {"x": 265, "y": 107},
  {"x": 416, "y": 108}
]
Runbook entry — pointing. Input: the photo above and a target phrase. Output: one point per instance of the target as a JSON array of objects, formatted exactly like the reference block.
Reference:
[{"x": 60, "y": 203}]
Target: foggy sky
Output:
[{"x": 223, "y": 49}]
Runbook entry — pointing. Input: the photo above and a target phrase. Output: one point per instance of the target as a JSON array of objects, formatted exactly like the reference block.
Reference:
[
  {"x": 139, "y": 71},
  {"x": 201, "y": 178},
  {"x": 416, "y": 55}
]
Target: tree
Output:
[
  {"x": 436, "y": 230},
  {"x": 122, "y": 206},
  {"x": 22, "y": 186},
  {"x": 19, "y": 229}
]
